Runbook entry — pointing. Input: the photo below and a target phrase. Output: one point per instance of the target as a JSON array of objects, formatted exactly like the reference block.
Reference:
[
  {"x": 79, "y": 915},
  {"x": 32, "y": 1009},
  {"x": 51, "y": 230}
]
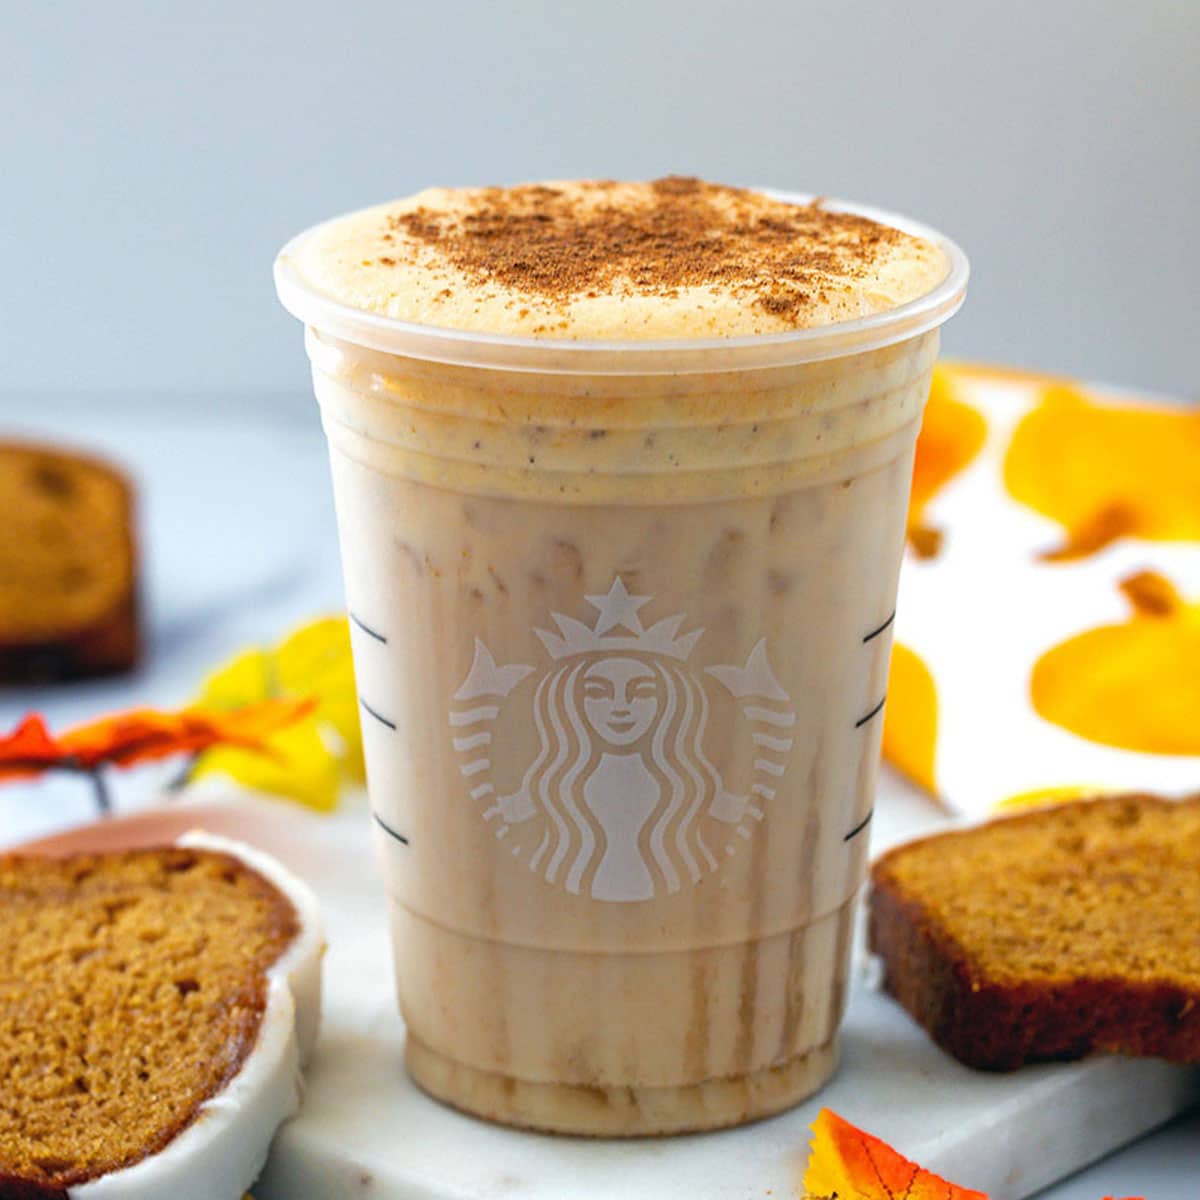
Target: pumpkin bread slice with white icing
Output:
[{"x": 155, "y": 1009}]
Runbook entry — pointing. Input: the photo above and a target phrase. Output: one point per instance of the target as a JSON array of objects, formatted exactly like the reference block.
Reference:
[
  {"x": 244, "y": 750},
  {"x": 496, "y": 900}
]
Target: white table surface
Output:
[{"x": 210, "y": 498}]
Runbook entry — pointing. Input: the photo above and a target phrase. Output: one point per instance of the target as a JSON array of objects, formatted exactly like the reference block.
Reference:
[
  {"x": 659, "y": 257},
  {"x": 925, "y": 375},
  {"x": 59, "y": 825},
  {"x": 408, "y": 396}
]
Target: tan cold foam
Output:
[{"x": 671, "y": 258}]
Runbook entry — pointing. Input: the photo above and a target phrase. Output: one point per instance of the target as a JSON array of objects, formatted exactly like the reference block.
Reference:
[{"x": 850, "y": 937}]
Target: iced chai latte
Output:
[{"x": 621, "y": 473}]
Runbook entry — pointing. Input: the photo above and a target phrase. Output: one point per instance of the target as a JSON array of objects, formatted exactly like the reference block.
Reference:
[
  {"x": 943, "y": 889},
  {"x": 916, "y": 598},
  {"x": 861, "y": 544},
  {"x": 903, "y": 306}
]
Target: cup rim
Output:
[{"x": 509, "y": 352}]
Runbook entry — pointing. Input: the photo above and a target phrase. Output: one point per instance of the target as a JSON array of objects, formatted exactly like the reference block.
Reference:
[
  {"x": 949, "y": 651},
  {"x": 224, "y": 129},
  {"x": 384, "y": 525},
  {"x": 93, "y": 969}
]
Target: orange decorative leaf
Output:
[
  {"x": 143, "y": 735},
  {"x": 852, "y": 1165},
  {"x": 28, "y": 749}
]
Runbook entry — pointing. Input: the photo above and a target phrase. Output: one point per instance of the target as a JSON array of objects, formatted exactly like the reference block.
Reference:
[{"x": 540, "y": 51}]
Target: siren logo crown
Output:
[{"x": 618, "y": 610}]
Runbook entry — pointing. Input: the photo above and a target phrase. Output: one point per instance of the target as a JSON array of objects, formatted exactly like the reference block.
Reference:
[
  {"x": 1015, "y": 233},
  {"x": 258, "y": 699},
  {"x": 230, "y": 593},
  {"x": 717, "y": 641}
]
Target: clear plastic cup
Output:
[{"x": 622, "y": 619}]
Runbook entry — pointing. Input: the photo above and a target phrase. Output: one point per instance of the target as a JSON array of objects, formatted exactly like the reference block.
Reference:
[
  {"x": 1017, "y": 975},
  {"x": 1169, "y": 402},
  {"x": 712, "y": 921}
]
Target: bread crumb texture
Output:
[
  {"x": 132, "y": 988},
  {"x": 1050, "y": 934}
]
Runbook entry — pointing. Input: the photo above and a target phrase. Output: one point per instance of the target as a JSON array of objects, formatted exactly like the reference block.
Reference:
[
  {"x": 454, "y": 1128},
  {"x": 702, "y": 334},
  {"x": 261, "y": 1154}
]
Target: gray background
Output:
[{"x": 156, "y": 154}]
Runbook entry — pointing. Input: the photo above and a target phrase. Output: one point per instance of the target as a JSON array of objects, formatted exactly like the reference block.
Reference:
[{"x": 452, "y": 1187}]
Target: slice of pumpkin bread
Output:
[
  {"x": 155, "y": 1006},
  {"x": 1050, "y": 934},
  {"x": 68, "y": 566}
]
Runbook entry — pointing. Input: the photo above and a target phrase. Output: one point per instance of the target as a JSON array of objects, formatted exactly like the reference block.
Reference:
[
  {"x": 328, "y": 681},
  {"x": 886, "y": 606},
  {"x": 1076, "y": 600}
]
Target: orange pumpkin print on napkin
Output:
[
  {"x": 1135, "y": 685},
  {"x": 1105, "y": 472},
  {"x": 846, "y": 1163},
  {"x": 910, "y": 719},
  {"x": 952, "y": 434}
]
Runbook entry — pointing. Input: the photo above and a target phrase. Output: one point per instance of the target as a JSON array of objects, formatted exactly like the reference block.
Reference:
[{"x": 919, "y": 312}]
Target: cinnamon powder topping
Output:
[
  {"x": 600, "y": 258},
  {"x": 543, "y": 242}
]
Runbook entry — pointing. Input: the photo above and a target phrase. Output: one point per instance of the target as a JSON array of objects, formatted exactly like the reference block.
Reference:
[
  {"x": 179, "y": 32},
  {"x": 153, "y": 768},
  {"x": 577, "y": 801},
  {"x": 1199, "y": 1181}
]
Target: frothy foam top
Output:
[{"x": 672, "y": 258}]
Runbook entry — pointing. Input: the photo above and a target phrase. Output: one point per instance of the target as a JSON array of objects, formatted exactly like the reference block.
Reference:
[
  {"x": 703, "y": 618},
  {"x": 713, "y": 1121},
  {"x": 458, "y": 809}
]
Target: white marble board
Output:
[{"x": 365, "y": 1130}]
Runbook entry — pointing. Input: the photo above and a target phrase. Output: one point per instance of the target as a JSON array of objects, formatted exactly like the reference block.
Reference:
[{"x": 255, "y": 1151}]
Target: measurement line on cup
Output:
[
  {"x": 873, "y": 713},
  {"x": 877, "y": 631},
  {"x": 371, "y": 633},
  {"x": 378, "y": 716},
  {"x": 859, "y": 827},
  {"x": 389, "y": 830}
]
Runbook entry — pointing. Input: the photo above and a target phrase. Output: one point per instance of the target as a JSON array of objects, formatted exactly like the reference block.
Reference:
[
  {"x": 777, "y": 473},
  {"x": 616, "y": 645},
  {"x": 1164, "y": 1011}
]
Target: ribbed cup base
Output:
[{"x": 620, "y": 1111}]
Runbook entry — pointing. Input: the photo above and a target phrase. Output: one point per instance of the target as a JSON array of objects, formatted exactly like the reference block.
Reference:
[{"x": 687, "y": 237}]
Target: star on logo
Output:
[{"x": 618, "y": 608}]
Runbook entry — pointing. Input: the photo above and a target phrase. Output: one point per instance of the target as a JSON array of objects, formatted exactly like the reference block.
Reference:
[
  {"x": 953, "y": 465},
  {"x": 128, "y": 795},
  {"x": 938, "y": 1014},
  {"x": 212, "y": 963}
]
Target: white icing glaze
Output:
[{"x": 220, "y": 1154}]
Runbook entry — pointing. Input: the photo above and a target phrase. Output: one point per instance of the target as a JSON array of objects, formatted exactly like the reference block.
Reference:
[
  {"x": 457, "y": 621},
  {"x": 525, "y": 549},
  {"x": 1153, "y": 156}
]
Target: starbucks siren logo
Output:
[{"x": 620, "y": 801}]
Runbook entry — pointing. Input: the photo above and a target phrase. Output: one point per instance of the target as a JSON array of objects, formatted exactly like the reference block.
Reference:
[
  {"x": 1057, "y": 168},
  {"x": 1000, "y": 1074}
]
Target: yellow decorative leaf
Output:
[
  {"x": 310, "y": 761},
  {"x": 246, "y": 679},
  {"x": 301, "y": 768},
  {"x": 316, "y": 659}
]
